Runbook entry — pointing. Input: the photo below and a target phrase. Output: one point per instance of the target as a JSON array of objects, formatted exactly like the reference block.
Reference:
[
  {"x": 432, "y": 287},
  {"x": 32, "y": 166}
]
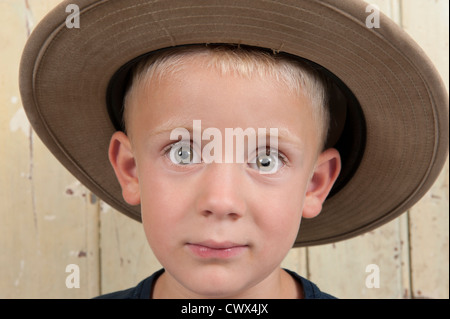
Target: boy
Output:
[{"x": 221, "y": 229}]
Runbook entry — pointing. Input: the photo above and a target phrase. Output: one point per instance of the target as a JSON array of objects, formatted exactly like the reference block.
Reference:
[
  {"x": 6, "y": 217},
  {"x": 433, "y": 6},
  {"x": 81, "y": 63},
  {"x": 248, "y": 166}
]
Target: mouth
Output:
[{"x": 216, "y": 250}]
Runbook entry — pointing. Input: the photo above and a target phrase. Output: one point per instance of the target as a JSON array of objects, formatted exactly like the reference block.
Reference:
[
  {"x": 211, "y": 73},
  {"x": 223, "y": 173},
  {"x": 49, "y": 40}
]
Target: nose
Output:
[{"x": 222, "y": 194}]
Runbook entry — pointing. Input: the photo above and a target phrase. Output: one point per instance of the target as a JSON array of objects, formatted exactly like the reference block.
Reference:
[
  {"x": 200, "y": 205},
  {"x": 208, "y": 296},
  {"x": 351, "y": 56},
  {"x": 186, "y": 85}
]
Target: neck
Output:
[{"x": 278, "y": 285}]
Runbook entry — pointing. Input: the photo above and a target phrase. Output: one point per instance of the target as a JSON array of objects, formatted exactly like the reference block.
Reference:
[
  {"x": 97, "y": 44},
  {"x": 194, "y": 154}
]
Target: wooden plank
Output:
[
  {"x": 343, "y": 268},
  {"x": 48, "y": 219},
  {"x": 14, "y": 159},
  {"x": 126, "y": 257},
  {"x": 429, "y": 242},
  {"x": 71, "y": 215},
  {"x": 296, "y": 260},
  {"x": 419, "y": 266},
  {"x": 428, "y": 23}
]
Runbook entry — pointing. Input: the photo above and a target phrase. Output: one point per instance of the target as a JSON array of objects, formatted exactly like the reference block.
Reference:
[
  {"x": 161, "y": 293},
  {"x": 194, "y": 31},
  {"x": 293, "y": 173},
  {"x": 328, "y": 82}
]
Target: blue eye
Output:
[{"x": 182, "y": 153}]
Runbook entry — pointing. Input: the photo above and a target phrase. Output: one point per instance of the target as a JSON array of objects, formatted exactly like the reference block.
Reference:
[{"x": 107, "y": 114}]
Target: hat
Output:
[{"x": 394, "y": 141}]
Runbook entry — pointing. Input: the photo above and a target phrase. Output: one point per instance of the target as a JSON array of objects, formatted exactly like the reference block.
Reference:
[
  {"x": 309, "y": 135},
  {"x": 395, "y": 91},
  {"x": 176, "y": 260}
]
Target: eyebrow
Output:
[
  {"x": 284, "y": 134},
  {"x": 171, "y": 125}
]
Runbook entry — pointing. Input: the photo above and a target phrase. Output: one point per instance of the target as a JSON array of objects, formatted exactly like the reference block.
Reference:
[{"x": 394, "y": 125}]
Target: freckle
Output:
[
  {"x": 81, "y": 254},
  {"x": 69, "y": 191}
]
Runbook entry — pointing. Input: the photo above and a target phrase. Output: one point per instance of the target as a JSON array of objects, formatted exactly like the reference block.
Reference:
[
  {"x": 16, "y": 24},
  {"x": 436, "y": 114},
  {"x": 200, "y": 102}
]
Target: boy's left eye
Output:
[{"x": 267, "y": 161}]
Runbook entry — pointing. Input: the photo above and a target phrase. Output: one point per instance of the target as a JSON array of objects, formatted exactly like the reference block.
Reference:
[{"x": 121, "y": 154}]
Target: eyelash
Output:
[
  {"x": 268, "y": 151},
  {"x": 281, "y": 156},
  {"x": 166, "y": 152}
]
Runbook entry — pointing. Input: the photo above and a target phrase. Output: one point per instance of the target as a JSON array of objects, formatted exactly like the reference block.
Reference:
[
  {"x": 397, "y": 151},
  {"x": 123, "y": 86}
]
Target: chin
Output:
[{"x": 216, "y": 282}]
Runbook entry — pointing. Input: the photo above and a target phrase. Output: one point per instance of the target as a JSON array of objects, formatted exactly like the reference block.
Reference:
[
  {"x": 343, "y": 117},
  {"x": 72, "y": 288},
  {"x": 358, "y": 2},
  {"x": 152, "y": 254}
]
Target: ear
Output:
[
  {"x": 325, "y": 174},
  {"x": 122, "y": 160}
]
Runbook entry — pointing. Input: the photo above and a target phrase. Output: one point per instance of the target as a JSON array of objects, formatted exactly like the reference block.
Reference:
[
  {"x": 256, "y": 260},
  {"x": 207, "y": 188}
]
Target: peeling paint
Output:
[
  {"x": 25, "y": 175},
  {"x": 105, "y": 208},
  {"x": 21, "y": 268},
  {"x": 29, "y": 18},
  {"x": 77, "y": 253},
  {"x": 19, "y": 121},
  {"x": 75, "y": 189}
]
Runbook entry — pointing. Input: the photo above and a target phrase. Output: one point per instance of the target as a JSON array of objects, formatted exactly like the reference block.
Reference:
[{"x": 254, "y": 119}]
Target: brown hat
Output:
[{"x": 394, "y": 142}]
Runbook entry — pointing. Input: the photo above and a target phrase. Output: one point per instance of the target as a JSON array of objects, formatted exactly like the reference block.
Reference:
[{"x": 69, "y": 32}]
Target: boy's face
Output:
[{"x": 219, "y": 229}]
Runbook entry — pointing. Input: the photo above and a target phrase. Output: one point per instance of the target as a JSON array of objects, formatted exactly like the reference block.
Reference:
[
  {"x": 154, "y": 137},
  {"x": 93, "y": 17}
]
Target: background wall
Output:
[{"x": 48, "y": 220}]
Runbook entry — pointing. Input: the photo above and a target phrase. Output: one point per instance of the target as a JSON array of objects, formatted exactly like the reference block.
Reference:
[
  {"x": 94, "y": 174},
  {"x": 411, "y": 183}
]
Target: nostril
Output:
[
  {"x": 230, "y": 215},
  {"x": 206, "y": 213}
]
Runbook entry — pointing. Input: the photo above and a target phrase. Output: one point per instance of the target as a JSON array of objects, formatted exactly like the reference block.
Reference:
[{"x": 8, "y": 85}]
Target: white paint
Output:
[
  {"x": 444, "y": 13},
  {"x": 73, "y": 253},
  {"x": 24, "y": 175},
  {"x": 49, "y": 217},
  {"x": 21, "y": 268},
  {"x": 19, "y": 121},
  {"x": 30, "y": 20},
  {"x": 105, "y": 208},
  {"x": 14, "y": 99}
]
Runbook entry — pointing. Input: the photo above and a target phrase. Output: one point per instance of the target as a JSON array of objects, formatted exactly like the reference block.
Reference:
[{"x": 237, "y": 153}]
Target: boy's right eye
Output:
[{"x": 182, "y": 153}]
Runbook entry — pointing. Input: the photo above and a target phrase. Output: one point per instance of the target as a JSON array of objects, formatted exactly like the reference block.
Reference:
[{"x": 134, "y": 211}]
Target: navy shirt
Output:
[{"x": 144, "y": 289}]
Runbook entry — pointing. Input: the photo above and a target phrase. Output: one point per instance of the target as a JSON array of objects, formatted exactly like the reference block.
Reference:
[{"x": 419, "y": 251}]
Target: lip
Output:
[{"x": 216, "y": 250}]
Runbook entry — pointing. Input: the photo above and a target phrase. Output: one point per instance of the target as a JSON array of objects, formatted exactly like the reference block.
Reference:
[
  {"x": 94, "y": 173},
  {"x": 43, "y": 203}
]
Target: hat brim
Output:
[{"x": 65, "y": 73}]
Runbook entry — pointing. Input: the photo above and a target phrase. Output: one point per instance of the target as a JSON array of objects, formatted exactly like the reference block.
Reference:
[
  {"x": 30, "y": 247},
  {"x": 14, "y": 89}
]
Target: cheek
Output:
[
  {"x": 163, "y": 206},
  {"x": 280, "y": 216}
]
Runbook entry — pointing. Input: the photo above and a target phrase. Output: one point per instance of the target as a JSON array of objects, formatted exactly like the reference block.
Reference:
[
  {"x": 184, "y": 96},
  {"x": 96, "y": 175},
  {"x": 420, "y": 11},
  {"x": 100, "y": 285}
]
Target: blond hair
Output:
[{"x": 297, "y": 75}]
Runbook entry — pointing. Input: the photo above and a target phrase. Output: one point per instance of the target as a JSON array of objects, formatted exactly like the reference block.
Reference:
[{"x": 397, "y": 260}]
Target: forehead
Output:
[{"x": 196, "y": 92}]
